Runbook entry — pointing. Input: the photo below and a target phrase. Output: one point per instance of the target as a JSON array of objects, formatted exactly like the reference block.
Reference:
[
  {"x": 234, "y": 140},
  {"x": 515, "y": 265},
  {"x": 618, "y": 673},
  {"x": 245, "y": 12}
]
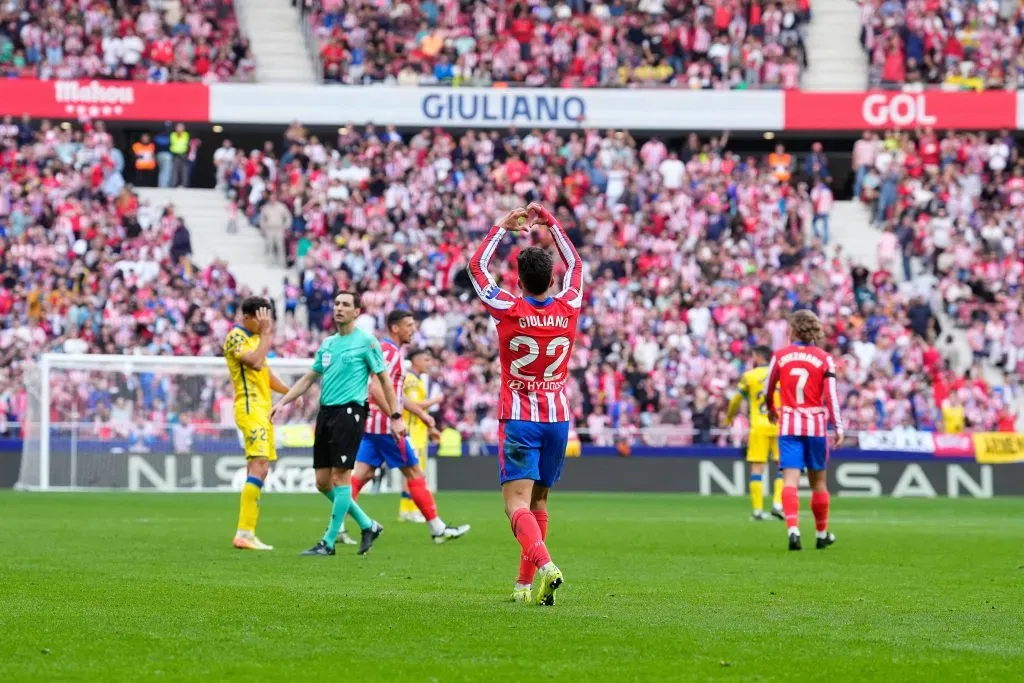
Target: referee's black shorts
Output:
[{"x": 339, "y": 431}]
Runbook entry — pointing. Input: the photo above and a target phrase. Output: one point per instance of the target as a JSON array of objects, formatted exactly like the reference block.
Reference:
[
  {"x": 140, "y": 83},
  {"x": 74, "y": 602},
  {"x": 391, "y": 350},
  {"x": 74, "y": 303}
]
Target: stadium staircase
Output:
[
  {"x": 837, "y": 61},
  {"x": 277, "y": 40},
  {"x": 207, "y": 214},
  {"x": 851, "y": 227}
]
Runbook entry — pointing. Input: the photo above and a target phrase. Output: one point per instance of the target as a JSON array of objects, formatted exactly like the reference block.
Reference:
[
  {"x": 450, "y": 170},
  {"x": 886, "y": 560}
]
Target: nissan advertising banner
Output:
[
  {"x": 727, "y": 476},
  {"x": 862, "y": 476}
]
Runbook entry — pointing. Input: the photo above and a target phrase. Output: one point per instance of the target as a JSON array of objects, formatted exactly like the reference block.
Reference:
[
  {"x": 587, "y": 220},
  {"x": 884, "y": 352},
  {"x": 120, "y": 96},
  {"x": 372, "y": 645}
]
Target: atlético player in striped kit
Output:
[
  {"x": 805, "y": 376},
  {"x": 536, "y": 333},
  {"x": 379, "y": 445}
]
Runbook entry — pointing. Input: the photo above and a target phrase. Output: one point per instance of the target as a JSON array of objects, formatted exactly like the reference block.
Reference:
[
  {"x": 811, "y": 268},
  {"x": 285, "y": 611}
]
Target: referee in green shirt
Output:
[{"x": 345, "y": 361}]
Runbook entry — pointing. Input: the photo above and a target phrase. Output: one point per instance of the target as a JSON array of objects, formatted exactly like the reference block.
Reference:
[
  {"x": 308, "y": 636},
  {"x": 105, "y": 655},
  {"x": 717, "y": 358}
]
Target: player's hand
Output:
[
  {"x": 398, "y": 429},
  {"x": 434, "y": 435},
  {"x": 274, "y": 411},
  {"x": 837, "y": 440},
  {"x": 773, "y": 417},
  {"x": 265, "y": 320},
  {"x": 430, "y": 422},
  {"x": 515, "y": 220},
  {"x": 537, "y": 213}
]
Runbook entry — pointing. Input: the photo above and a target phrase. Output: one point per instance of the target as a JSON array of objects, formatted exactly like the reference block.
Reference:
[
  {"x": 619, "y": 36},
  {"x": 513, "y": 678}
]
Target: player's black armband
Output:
[{"x": 830, "y": 374}]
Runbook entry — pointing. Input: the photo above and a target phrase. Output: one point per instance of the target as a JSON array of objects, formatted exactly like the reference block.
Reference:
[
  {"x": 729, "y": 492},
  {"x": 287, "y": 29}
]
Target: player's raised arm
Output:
[
  {"x": 572, "y": 282},
  {"x": 773, "y": 385},
  {"x": 494, "y": 297},
  {"x": 832, "y": 400},
  {"x": 255, "y": 358}
]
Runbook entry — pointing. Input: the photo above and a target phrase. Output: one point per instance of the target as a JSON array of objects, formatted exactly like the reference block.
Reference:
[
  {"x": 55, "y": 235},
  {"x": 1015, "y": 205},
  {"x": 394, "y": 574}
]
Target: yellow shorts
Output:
[
  {"x": 257, "y": 434},
  {"x": 760, "y": 446}
]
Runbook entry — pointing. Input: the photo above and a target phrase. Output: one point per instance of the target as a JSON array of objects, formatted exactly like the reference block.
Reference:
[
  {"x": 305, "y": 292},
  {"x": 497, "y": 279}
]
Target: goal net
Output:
[{"x": 152, "y": 423}]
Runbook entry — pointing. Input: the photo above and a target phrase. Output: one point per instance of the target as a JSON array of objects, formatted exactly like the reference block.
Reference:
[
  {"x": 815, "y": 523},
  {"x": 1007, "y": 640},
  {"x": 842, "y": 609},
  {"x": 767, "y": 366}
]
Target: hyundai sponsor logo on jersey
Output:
[{"x": 503, "y": 107}]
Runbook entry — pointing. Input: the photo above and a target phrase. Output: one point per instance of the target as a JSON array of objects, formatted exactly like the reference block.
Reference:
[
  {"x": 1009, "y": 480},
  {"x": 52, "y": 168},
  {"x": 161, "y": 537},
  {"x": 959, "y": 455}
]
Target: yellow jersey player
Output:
[
  {"x": 420, "y": 430},
  {"x": 763, "y": 441},
  {"x": 245, "y": 350}
]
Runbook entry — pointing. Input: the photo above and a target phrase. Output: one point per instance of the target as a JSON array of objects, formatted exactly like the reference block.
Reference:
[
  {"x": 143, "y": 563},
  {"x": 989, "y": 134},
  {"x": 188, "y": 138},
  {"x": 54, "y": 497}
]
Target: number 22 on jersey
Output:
[{"x": 556, "y": 350}]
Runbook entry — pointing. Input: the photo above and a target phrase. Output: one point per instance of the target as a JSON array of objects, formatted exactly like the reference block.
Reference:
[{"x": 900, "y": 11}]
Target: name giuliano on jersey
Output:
[
  {"x": 806, "y": 379},
  {"x": 378, "y": 422},
  {"x": 535, "y": 337}
]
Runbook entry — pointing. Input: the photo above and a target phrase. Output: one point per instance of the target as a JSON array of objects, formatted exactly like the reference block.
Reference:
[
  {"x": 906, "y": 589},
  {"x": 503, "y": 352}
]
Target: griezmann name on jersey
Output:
[
  {"x": 805, "y": 377},
  {"x": 535, "y": 337}
]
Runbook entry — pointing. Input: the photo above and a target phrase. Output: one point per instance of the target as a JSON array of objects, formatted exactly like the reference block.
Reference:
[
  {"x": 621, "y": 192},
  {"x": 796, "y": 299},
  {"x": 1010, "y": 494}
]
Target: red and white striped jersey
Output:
[
  {"x": 535, "y": 337},
  {"x": 806, "y": 379},
  {"x": 378, "y": 421}
]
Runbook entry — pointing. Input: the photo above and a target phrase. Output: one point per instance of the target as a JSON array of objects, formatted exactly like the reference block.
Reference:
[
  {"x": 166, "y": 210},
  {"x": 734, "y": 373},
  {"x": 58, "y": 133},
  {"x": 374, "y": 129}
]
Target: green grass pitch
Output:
[{"x": 139, "y": 587}]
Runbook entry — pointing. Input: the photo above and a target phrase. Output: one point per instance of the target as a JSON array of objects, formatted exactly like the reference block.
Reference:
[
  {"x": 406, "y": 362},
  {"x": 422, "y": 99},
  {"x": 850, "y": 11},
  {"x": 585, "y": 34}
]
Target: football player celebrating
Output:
[{"x": 536, "y": 332}]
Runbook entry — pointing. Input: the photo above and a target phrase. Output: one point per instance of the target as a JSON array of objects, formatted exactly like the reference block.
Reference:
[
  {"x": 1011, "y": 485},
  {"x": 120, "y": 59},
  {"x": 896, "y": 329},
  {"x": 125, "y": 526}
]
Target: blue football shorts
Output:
[
  {"x": 798, "y": 452},
  {"x": 532, "y": 450}
]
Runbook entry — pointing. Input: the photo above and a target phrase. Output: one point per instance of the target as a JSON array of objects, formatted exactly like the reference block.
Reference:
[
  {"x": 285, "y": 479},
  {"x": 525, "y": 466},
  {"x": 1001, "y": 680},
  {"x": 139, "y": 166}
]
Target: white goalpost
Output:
[{"x": 153, "y": 423}]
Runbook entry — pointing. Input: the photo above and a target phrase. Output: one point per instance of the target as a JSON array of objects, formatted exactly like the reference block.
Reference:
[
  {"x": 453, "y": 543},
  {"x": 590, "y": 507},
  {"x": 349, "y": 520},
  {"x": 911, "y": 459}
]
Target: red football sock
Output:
[
  {"x": 790, "y": 505},
  {"x": 527, "y": 531},
  {"x": 357, "y": 486},
  {"x": 527, "y": 569},
  {"x": 423, "y": 498},
  {"x": 819, "y": 506},
  {"x": 542, "y": 522}
]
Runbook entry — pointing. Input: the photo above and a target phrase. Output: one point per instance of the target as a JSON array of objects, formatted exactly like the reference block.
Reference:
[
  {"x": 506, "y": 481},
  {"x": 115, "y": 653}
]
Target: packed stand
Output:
[
  {"x": 568, "y": 43},
  {"x": 186, "y": 40},
  {"x": 86, "y": 268},
  {"x": 951, "y": 212},
  {"x": 695, "y": 254},
  {"x": 960, "y": 45}
]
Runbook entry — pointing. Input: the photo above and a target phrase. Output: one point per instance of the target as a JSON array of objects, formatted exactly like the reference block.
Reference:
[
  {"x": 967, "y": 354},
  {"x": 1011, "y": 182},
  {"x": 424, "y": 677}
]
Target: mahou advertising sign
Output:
[
  {"x": 890, "y": 110},
  {"x": 110, "y": 100}
]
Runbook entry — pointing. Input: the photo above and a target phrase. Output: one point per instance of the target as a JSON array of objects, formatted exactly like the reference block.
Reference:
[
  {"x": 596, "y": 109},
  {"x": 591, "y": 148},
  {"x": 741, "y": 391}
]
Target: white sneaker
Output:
[
  {"x": 451, "y": 532},
  {"x": 415, "y": 517},
  {"x": 345, "y": 539}
]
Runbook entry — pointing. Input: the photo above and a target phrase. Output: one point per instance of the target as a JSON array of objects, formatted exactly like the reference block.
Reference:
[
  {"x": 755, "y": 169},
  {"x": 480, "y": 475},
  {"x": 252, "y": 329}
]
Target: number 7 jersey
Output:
[
  {"x": 805, "y": 377},
  {"x": 535, "y": 337}
]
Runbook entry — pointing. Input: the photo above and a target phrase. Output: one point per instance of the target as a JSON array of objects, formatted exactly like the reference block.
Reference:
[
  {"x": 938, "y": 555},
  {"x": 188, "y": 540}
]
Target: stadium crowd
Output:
[
  {"x": 950, "y": 209},
  {"x": 695, "y": 254},
  {"x": 186, "y": 40},
  {"x": 568, "y": 43},
  {"x": 958, "y": 45}
]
